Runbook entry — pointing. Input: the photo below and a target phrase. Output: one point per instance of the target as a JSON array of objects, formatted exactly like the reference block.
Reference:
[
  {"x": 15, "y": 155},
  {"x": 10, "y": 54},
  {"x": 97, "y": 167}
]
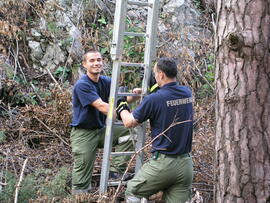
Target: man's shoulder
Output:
[
  {"x": 105, "y": 78},
  {"x": 155, "y": 96},
  {"x": 83, "y": 82},
  {"x": 186, "y": 89}
]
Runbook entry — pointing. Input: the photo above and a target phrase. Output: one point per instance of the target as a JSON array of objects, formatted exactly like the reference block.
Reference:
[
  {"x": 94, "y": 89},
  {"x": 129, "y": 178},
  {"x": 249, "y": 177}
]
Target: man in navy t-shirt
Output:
[
  {"x": 90, "y": 107},
  {"x": 170, "y": 112}
]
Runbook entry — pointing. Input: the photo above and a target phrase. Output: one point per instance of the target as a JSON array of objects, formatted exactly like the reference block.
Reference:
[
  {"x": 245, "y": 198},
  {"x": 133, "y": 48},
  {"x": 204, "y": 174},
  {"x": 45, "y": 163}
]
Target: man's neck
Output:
[
  {"x": 93, "y": 77},
  {"x": 167, "y": 80}
]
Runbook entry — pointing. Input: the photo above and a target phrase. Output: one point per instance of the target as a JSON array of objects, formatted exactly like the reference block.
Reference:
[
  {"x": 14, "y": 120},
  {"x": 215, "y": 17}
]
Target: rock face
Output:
[
  {"x": 62, "y": 26},
  {"x": 179, "y": 30}
]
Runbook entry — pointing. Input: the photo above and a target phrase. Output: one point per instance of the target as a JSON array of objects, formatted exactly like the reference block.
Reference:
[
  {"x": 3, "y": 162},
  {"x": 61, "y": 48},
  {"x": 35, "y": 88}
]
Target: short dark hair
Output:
[
  {"x": 168, "y": 66},
  {"x": 89, "y": 51}
]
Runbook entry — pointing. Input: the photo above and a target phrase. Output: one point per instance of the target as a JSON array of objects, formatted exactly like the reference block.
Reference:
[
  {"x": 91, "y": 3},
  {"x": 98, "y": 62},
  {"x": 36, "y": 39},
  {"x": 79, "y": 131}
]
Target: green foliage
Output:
[
  {"x": 133, "y": 46},
  {"x": 7, "y": 193},
  {"x": 25, "y": 98},
  {"x": 2, "y": 136},
  {"x": 33, "y": 183},
  {"x": 56, "y": 187},
  {"x": 198, "y": 4},
  {"x": 104, "y": 50},
  {"x": 102, "y": 20},
  {"x": 28, "y": 189},
  {"x": 61, "y": 72},
  {"x": 206, "y": 89},
  {"x": 52, "y": 27},
  {"x": 66, "y": 42},
  {"x": 133, "y": 52}
]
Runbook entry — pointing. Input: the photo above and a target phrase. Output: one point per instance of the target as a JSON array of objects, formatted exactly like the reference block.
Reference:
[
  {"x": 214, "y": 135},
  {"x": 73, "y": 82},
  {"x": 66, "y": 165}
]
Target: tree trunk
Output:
[{"x": 243, "y": 101}]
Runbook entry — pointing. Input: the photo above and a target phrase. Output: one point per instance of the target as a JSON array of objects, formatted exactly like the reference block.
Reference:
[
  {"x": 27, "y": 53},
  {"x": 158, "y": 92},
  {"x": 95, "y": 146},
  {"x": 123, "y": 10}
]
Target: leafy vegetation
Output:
[{"x": 36, "y": 185}]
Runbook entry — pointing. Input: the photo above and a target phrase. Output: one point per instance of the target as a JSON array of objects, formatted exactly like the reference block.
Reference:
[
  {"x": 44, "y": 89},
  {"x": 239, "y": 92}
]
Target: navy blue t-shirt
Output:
[
  {"x": 85, "y": 92},
  {"x": 172, "y": 103}
]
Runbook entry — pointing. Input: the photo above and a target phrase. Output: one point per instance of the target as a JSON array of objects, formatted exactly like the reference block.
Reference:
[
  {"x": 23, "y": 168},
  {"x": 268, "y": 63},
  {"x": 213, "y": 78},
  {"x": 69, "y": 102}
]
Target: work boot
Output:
[
  {"x": 118, "y": 176},
  {"x": 81, "y": 191},
  {"x": 133, "y": 199}
]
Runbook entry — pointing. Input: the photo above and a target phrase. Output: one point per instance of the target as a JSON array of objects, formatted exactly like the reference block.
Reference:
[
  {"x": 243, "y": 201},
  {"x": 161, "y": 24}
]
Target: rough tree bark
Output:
[{"x": 243, "y": 101}]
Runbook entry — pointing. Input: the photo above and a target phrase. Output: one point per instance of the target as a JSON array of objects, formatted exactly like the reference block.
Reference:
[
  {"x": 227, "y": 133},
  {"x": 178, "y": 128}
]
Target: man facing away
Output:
[
  {"x": 90, "y": 107},
  {"x": 170, "y": 112}
]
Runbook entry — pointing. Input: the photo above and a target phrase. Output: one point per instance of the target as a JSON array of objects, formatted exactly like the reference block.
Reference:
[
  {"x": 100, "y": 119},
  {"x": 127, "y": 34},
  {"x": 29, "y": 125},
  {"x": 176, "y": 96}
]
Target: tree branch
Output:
[
  {"x": 51, "y": 131},
  {"x": 20, "y": 181}
]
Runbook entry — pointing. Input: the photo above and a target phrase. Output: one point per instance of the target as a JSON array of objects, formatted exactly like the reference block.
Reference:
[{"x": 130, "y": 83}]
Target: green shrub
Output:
[
  {"x": 7, "y": 192},
  {"x": 56, "y": 187},
  {"x": 2, "y": 136},
  {"x": 26, "y": 191}
]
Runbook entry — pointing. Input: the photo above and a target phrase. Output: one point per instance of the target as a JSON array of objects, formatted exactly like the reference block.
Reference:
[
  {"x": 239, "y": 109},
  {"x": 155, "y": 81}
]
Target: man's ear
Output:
[
  {"x": 162, "y": 74},
  {"x": 83, "y": 64}
]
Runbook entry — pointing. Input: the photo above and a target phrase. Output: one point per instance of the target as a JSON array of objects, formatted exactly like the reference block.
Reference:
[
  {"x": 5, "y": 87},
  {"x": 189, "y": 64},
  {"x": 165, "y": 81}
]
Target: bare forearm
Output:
[
  {"x": 128, "y": 119},
  {"x": 131, "y": 99},
  {"x": 103, "y": 107}
]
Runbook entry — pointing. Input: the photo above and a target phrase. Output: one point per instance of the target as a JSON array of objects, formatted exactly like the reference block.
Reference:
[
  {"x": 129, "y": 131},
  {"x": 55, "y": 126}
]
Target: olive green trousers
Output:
[
  {"x": 171, "y": 174},
  {"x": 84, "y": 144}
]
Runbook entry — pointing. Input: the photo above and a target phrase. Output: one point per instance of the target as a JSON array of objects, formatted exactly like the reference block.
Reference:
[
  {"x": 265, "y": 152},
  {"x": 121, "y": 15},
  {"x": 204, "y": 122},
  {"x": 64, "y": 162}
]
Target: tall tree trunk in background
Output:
[{"x": 243, "y": 101}]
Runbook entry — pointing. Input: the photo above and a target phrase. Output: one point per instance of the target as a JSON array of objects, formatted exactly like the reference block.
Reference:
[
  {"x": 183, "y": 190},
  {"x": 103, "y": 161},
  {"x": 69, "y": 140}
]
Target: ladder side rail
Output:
[
  {"x": 150, "y": 42},
  {"x": 116, "y": 53},
  {"x": 118, "y": 29},
  {"x": 109, "y": 130},
  {"x": 140, "y": 131},
  {"x": 149, "y": 55}
]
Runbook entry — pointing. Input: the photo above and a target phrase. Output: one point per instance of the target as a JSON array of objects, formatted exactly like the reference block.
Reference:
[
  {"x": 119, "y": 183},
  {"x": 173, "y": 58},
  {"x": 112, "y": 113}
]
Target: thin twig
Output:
[
  {"x": 33, "y": 8},
  {"x": 200, "y": 73},
  {"x": 51, "y": 131},
  {"x": 32, "y": 85},
  {"x": 54, "y": 79},
  {"x": 136, "y": 153},
  {"x": 197, "y": 120},
  {"x": 20, "y": 181}
]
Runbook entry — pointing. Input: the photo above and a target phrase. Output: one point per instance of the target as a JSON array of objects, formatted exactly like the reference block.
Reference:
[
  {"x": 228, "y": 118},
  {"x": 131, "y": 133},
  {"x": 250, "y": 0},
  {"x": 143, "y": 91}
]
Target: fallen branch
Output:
[
  {"x": 20, "y": 181},
  {"x": 32, "y": 85},
  {"x": 54, "y": 80},
  {"x": 136, "y": 153},
  {"x": 51, "y": 131}
]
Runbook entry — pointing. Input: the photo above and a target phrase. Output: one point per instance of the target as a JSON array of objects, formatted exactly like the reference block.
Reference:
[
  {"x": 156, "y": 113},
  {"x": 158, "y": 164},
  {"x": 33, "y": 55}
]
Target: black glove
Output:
[
  {"x": 122, "y": 106},
  {"x": 122, "y": 98},
  {"x": 153, "y": 86}
]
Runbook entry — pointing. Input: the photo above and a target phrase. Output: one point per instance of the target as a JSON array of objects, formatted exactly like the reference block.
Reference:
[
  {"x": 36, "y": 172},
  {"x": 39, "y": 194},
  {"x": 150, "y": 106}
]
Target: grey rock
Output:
[
  {"x": 53, "y": 57},
  {"x": 36, "y": 51}
]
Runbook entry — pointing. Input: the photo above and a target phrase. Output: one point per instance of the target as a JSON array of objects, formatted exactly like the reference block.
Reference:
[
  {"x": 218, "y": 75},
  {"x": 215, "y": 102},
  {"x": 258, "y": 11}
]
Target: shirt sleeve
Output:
[
  {"x": 144, "y": 110},
  {"x": 87, "y": 94}
]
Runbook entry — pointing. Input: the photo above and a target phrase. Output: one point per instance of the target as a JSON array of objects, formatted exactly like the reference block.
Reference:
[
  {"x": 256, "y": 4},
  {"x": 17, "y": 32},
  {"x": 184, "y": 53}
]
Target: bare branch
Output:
[
  {"x": 52, "y": 131},
  {"x": 20, "y": 181},
  {"x": 54, "y": 79}
]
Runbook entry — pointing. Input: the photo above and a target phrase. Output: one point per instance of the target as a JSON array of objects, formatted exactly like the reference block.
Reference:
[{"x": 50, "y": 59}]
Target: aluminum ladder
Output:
[{"x": 116, "y": 54}]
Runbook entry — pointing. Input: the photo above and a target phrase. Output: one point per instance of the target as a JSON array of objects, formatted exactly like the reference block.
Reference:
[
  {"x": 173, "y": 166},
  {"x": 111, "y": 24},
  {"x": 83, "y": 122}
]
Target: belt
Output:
[
  {"x": 76, "y": 127},
  {"x": 156, "y": 154}
]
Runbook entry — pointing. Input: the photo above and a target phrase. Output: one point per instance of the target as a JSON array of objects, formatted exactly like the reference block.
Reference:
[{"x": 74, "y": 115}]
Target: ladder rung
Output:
[
  {"x": 139, "y": 3},
  {"x": 115, "y": 183},
  {"x": 121, "y": 153},
  {"x": 132, "y": 64},
  {"x": 120, "y": 94},
  {"x": 135, "y": 34},
  {"x": 118, "y": 123}
]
